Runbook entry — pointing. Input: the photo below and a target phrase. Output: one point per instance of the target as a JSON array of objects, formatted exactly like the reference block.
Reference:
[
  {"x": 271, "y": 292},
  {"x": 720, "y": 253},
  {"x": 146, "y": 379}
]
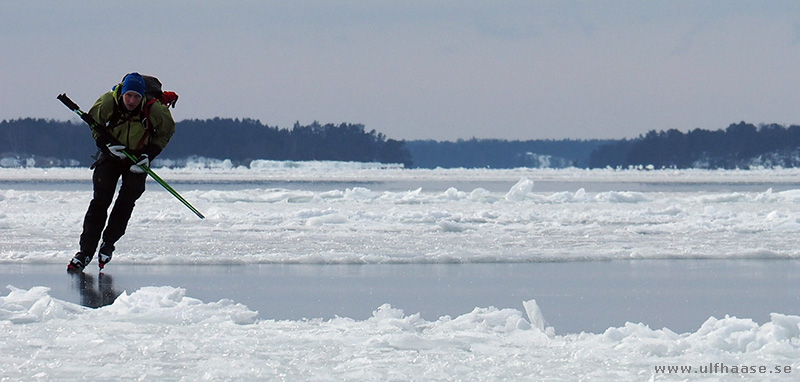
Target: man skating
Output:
[{"x": 142, "y": 129}]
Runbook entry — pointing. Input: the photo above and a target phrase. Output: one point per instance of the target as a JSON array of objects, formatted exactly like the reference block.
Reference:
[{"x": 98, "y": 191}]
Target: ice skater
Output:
[{"x": 139, "y": 126}]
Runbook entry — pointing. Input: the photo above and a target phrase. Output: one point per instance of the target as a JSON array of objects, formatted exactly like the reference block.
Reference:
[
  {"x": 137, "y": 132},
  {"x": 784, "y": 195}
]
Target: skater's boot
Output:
[
  {"x": 104, "y": 255},
  {"x": 80, "y": 261}
]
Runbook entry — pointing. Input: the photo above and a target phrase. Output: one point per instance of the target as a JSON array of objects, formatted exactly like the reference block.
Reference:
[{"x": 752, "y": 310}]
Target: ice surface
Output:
[
  {"x": 333, "y": 221},
  {"x": 159, "y": 333}
]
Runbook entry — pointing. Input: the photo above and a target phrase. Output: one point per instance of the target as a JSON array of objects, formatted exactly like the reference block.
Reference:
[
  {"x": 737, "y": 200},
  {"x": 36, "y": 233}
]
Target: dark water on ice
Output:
[{"x": 573, "y": 296}]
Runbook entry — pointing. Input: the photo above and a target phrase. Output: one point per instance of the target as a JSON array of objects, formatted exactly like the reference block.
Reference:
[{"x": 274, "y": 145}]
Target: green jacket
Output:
[{"x": 129, "y": 128}]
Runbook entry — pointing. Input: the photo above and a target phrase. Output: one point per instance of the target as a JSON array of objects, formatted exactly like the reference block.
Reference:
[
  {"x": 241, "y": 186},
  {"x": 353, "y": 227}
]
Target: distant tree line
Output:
[
  {"x": 52, "y": 143},
  {"x": 741, "y": 145},
  {"x": 248, "y": 139},
  {"x": 64, "y": 143}
]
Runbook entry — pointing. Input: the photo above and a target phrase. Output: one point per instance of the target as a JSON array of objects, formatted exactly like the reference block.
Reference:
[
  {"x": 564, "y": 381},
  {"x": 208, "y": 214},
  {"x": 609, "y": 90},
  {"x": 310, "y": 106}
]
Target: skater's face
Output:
[{"x": 131, "y": 100}]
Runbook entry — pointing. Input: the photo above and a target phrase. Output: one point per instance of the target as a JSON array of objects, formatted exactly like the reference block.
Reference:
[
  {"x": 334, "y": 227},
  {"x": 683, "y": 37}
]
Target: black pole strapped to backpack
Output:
[{"x": 88, "y": 119}]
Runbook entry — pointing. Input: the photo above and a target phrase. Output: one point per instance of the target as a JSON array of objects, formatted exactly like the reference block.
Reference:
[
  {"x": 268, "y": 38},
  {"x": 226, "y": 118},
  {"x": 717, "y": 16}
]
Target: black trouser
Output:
[{"x": 107, "y": 172}]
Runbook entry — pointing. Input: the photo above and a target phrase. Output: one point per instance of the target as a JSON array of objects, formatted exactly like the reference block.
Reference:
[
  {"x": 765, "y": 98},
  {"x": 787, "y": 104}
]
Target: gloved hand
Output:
[
  {"x": 144, "y": 160},
  {"x": 116, "y": 150}
]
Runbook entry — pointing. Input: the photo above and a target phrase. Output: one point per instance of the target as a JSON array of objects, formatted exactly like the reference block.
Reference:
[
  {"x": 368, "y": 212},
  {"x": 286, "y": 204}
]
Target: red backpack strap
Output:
[
  {"x": 167, "y": 99},
  {"x": 148, "y": 127}
]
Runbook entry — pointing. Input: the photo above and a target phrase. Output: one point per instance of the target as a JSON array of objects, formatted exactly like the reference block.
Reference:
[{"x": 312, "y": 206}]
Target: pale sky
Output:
[{"x": 442, "y": 70}]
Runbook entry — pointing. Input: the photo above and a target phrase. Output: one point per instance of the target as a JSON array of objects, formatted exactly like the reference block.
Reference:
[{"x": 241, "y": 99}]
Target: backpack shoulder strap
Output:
[{"x": 148, "y": 126}]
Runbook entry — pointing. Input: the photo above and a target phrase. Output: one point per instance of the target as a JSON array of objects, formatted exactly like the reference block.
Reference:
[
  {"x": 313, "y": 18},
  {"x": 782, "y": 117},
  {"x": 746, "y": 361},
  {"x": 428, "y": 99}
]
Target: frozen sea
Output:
[{"x": 338, "y": 271}]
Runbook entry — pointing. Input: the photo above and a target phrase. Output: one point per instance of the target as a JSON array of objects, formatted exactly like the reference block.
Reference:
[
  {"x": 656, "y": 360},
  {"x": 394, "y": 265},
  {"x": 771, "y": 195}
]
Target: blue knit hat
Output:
[{"x": 133, "y": 82}]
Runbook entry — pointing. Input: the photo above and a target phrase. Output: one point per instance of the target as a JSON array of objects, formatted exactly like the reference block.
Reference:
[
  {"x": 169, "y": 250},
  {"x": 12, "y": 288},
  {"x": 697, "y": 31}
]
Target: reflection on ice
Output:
[{"x": 95, "y": 296}]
